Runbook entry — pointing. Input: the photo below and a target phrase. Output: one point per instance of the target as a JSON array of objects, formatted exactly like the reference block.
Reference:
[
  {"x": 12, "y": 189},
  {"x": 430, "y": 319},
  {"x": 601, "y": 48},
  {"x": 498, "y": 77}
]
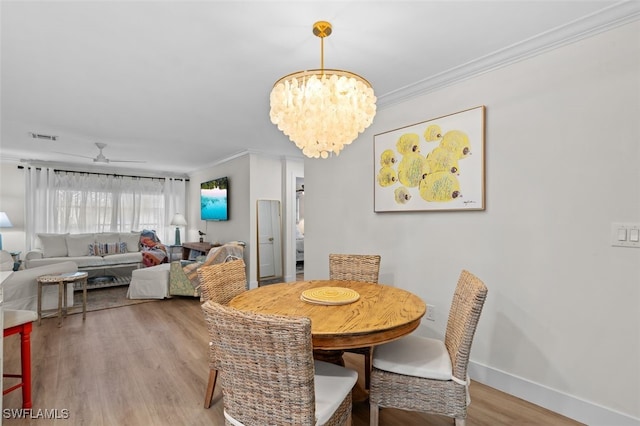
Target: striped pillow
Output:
[{"x": 101, "y": 249}]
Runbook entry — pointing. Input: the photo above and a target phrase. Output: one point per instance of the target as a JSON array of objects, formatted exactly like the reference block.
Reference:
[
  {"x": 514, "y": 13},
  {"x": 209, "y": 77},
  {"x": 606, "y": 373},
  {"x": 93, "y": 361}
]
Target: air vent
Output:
[{"x": 45, "y": 137}]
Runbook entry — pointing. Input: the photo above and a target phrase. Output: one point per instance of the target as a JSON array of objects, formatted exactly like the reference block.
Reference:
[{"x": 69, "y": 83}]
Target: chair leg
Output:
[
  {"x": 368, "y": 356},
  {"x": 373, "y": 414},
  {"x": 25, "y": 363},
  {"x": 460, "y": 422},
  {"x": 213, "y": 375},
  {"x": 25, "y": 358}
]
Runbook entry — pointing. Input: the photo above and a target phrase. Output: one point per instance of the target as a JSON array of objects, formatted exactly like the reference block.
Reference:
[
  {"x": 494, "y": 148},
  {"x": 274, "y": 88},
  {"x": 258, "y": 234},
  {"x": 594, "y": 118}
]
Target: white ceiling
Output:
[{"x": 184, "y": 84}]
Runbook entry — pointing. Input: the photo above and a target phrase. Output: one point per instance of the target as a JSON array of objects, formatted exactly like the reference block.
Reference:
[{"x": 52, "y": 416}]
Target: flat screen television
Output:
[{"x": 214, "y": 199}]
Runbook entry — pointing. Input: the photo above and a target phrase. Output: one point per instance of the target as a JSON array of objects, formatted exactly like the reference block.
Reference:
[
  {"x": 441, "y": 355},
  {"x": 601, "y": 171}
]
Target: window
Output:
[{"x": 74, "y": 202}]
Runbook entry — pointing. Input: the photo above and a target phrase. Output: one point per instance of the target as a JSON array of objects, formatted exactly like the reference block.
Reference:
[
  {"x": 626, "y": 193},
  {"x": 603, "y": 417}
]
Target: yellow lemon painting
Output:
[{"x": 433, "y": 165}]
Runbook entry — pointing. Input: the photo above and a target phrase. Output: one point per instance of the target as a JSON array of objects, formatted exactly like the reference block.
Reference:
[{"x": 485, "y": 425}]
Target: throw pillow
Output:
[
  {"x": 132, "y": 239},
  {"x": 53, "y": 245},
  {"x": 103, "y": 249},
  {"x": 191, "y": 270},
  {"x": 77, "y": 244},
  {"x": 94, "y": 249}
]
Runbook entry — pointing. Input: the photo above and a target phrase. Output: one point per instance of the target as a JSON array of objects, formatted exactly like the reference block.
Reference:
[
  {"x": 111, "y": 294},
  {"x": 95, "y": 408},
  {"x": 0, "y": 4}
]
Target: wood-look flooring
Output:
[{"x": 147, "y": 364}]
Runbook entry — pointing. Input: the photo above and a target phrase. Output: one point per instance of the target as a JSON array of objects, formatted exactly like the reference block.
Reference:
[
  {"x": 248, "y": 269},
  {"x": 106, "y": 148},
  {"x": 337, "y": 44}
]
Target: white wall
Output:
[
  {"x": 12, "y": 199},
  {"x": 237, "y": 227},
  {"x": 266, "y": 184},
  {"x": 252, "y": 177},
  {"x": 561, "y": 325}
]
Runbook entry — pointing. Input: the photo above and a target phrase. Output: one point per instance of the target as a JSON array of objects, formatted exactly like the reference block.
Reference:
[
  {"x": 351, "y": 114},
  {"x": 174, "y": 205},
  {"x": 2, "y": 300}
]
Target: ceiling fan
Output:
[{"x": 100, "y": 158}]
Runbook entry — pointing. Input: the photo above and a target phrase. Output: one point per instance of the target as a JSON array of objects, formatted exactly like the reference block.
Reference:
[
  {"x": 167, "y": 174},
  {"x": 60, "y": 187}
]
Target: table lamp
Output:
[
  {"x": 4, "y": 223},
  {"x": 178, "y": 221}
]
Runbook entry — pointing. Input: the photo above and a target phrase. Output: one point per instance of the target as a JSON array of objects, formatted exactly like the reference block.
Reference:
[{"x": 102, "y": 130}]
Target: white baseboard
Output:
[{"x": 570, "y": 406}]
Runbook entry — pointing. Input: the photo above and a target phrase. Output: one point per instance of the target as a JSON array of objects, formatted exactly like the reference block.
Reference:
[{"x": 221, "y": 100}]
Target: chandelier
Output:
[{"x": 322, "y": 110}]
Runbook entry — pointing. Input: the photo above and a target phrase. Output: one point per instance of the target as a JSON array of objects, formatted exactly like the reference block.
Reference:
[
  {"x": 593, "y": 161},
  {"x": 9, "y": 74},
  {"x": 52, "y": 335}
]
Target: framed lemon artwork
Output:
[{"x": 434, "y": 165}]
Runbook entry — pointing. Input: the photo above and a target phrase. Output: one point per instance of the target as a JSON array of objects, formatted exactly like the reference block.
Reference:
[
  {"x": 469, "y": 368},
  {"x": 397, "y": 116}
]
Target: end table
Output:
[
  {"x": 171, "y": 253},
  {"x": 62, "y": 280}
]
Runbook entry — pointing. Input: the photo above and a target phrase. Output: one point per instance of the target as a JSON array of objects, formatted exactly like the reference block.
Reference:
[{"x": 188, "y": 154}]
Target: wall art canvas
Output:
[{"x": 435, "y": 165}]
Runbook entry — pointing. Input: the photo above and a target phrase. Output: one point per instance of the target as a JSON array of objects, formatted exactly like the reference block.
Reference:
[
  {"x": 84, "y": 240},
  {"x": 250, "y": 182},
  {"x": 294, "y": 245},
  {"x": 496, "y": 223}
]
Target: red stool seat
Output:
[{"x": 20, "y": 322}]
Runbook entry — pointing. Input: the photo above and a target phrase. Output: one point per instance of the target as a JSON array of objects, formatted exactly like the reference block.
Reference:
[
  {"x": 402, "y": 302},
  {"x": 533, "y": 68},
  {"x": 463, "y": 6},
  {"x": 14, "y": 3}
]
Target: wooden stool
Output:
[{"x": 20, "y": 322}]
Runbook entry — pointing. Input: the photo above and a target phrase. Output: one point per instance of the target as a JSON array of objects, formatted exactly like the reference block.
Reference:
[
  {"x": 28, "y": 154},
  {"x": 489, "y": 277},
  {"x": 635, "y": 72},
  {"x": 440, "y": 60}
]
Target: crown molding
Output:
[{"x": 606, "y": 19}]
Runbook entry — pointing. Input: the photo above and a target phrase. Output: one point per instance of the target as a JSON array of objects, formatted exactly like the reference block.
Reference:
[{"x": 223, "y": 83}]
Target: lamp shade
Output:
[
  {"x": 4, "y": 221},
  {"x": 322, "y": 110},
  {"x": 178, "y": 220}
]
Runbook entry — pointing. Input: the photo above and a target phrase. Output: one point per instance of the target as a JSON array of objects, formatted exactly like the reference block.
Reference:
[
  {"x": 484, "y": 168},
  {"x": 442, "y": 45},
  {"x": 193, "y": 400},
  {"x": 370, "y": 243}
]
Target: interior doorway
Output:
[{"x": 299, "y": 229}]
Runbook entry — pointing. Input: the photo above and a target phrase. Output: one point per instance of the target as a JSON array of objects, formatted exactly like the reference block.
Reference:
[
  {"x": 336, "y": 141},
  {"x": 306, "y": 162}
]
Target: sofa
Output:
[
  {"x": 108, "y": 257},
  {"x": 20, "y": 289},
  {"x": 89, "y": 251}
]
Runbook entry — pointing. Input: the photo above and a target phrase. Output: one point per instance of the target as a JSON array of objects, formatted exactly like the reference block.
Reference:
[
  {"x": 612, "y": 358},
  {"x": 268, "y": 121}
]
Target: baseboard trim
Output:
[{"x": 551, "y": 399}]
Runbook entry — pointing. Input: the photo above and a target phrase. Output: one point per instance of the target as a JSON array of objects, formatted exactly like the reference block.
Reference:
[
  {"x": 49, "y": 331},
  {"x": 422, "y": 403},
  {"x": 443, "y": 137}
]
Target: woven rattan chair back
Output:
[
  {"x": 222, "y": 282},
  {"x": 354, "y": 267},
  {"x": 267, "y": 366},
  {"x": 466, "y": 306}
]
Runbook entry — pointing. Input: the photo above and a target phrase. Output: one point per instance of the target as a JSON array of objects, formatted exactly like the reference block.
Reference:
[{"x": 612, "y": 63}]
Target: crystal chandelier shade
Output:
[{"x": 322, "y": 110}]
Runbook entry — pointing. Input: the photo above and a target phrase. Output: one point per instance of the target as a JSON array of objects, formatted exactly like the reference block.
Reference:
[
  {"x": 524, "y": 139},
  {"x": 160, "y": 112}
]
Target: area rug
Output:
[{"x": 106, "y": 298}]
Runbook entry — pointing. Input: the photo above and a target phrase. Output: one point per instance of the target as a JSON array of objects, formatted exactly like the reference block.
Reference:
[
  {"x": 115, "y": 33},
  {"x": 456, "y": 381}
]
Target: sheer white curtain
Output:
[
  {"x": 175, "y": 202},
  {"x": 75, "y": 202}
]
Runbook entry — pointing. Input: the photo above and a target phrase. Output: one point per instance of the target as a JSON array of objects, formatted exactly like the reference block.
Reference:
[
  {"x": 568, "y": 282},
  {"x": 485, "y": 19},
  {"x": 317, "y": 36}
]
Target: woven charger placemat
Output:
[{"x": 330, "y": 295}]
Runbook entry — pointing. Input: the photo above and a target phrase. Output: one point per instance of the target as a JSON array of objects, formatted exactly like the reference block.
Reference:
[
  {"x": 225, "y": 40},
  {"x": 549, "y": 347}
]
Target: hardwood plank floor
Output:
[{"x": 147, "y": 364}]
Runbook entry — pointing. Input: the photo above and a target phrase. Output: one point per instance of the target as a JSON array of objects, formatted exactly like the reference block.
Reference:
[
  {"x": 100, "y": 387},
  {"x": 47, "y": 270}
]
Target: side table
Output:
[
  {"x": 171, "y": 248},
  {"x": 187, "y": 248},
  {"x": 62, "y": 280}
]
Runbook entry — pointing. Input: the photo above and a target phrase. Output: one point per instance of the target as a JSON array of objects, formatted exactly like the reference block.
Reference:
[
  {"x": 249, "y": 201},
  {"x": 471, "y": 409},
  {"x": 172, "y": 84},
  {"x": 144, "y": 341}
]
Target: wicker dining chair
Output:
[
  {"x": 429, "y": 375},
  {"x": 356, "y": 267},
  {"x": 220, "y": 282},
  {"x": 268, "y": 373}
]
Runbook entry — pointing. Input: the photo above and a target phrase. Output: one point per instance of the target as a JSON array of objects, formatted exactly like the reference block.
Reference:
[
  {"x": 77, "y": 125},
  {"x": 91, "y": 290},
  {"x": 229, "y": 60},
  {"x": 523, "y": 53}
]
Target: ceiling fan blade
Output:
[
  {"x": 73, "y": 155},
  {"x": 126, "y": 161}
]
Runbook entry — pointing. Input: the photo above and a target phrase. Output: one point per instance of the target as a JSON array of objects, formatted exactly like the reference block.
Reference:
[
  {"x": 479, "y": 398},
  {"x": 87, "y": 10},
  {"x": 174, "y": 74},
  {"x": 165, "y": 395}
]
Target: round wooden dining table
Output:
[{"x": 381, "y": 313}]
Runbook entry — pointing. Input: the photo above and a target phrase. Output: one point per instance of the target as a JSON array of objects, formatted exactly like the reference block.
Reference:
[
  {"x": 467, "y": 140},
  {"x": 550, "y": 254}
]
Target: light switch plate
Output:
[{"x": 623, "y": 234}]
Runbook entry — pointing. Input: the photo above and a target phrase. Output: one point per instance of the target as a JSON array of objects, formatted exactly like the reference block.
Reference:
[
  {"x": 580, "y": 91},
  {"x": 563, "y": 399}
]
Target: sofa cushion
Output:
[
  {"x": 79, "y": 261},
  {"x": 53, "y": 245},
  {"x": 132, "y": 239},
  {"x": 78, "y": 244},
  {"x": 107, "y": 237},
  {"x": 87, "y": 261},
  {"x": 117, "y": 259}
]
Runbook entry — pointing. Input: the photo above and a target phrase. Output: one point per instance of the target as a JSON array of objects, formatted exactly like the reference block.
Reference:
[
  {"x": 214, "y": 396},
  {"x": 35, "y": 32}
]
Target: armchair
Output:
[
  {"x": 20, "y": 289},
  {"x": 183, "y": 275}
]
